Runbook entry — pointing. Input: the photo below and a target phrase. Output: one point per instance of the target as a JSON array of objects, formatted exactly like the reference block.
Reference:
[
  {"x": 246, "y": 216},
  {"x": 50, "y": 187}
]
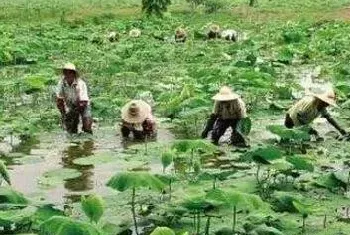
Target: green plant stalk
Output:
[
  {"x": 194, "y": 221},
  {"x": 304, "y": 224},
  {"x": 133, "y": 210},
  {"x": 325, "y": 221},
  {"x": 170, "y": 189},
  {"x": 207, "y": 226},
  {"x": 258, "y": 173},
  {"x": 198, "y": 222},
  {"x": 192, "y": 157},
  {"x": 234, "y": 218},
  {"x": 214, "y": 183}
]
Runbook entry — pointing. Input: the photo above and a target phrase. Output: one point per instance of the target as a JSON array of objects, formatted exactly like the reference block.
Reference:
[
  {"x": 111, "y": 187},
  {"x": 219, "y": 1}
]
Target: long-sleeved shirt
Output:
[{"x": 233, "y": 109}]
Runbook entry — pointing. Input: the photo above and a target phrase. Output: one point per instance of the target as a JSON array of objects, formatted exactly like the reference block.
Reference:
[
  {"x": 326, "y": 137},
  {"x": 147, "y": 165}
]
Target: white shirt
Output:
[{"x": 74, "y": 93}]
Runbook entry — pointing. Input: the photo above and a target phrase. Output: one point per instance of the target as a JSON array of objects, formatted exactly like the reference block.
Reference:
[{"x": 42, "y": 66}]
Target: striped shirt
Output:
[{"x": 305, "y": 111}]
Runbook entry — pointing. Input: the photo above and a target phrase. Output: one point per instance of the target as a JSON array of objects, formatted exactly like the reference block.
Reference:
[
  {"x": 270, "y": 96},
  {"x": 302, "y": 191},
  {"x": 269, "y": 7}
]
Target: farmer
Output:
[
  {"x": 214, "y": 32},
  {"x": 229, "y": 109},
  {"x": 137, "y": 118},
  {"x": 229, "y": 35},
  {"x": 180, "y": 35},
  {"x": 306, "y": 110},
  {"x": 73, "y": 101}
]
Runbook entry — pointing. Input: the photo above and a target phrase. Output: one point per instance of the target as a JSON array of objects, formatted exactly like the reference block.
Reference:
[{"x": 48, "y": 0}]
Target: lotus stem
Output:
[
  {"x": 304, "y": 225},
  {"x": 198, "y": 222},
  {"x": 325, "y": 221},
  {"x": 170, "y": 189},
  {"x": 133, "y": 210},
  {"x": 234, "y": 218},
  {"x": 207, "y": 226},
  {"x": 258, "y": 173}
]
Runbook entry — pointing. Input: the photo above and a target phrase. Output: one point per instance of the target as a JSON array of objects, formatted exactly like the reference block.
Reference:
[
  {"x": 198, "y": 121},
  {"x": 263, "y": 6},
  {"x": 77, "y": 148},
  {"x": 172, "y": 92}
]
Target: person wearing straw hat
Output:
[
  {"x": 313, "y": 105},
  {"x": 137, "y": 119},
  {"x": 214, "y": 32},
  {"x": 180, "y": 35},
  {"x": 73, "y": 101},
  {"x": 229, "y": 109}
]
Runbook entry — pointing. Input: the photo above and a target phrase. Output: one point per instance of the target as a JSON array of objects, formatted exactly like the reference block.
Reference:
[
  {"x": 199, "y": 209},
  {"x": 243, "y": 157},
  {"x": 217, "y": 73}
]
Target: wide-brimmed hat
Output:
[
  {"x": 135, "y": 111},
  {"x": 225, "y": 94},
  {"x": 326, "y": 95},
  {"x": 214, "y": 28},
  {"x": 69, "y": 66}
]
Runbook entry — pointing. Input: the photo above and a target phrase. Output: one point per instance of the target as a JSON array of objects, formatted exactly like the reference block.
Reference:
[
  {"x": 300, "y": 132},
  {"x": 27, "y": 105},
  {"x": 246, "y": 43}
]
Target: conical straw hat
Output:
[
  {"x": 69, "y": 66},
  {"x": 327, "y": 97},
  {"x": 136, "y": 111},
  {"x": 225, "y": 94}
]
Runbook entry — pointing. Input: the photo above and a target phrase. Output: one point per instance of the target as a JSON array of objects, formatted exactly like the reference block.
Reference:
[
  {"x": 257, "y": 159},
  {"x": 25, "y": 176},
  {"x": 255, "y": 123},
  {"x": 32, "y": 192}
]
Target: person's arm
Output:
[
  {"x": 333, "y": 122},
  {"x": 60, "y": 98},
  {"x": 83, "y": 96}
]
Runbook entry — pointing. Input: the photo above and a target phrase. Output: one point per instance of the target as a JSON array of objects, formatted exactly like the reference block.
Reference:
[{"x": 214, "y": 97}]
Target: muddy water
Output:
[{"x": 55, "y": 151}]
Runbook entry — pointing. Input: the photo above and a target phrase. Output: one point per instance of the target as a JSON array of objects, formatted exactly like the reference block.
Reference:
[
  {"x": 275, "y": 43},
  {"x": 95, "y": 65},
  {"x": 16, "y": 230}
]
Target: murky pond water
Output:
[{"x": 29, "y": 161}]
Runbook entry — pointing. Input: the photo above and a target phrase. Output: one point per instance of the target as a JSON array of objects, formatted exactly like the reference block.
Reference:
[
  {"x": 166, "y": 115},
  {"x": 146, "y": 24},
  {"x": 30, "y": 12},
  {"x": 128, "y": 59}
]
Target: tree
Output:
[{"x": 156, "y": 7}]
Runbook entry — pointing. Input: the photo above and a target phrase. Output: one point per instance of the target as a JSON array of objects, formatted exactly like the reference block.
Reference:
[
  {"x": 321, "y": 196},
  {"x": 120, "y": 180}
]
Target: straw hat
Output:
[
  {"x": 225, "y": 94},
  {"x": 214, "y": 28},
  {"x": 136, "y": 111},
  {"x": 135, "y": 33},
  {"x": 69, "y": 66},
  {"x": 327, "y": 96}
]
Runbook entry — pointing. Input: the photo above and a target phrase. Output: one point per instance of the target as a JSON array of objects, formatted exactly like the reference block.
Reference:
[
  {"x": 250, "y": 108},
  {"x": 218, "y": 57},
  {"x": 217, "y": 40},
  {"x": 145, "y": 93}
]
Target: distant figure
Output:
[
  {"x": 214, "y": 32},
  {"x": 180, "y": 35},
  {"x": 229, "y": 109},
  {"x": 229, "y": 35},
  {"x": 113, "y": 36},
  {"x": 73, "y": 101},
  {"x": 137, "y": 119},
  {"x": 306, "y": 110},
  {"x": 135, "y": 33}
]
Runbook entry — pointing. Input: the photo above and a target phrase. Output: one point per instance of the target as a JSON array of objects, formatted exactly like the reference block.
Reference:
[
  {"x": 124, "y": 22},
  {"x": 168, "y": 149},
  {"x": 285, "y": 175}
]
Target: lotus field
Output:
[{"x": 284, "y": 182}]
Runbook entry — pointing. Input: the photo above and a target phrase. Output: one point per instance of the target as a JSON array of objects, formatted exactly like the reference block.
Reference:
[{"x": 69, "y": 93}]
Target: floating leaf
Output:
[
  {"x": 330, "y": 182},
  {"x": 189, "y": 145},
  {"x": 93, "y": 207},
  {"x": 59, "y": 225},
  {"x": 17, "y": 217},
  {"x": 163, "y": 231},
  {"x": 343, "y": 176},
  {"x": 56, "y": 177},
  {"x": 264, "y": 229},
  {"x": 97, "y": 159},
  {"x": 129, "y": 180}
]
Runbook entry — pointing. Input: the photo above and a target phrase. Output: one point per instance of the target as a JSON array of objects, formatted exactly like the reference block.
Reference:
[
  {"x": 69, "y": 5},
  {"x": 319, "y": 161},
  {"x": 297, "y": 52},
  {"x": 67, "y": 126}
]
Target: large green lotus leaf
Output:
[
  {"x": 97, "y": 159},
  {"x": 44, "y": 213},
  {"x": 163, "y": 231},
  {"x": 56, "y": 177},
  {"x": 129, "y": 180},
  {"x": 10, "y": 196},
  {"x": 300, "y": 134},
  {"x": 4, "y": 173},
  {"x": 93, "y": 207},
  {"x": 244, "y": 126},
  {"x": 283, "y": 201},
  {"x": 198, "y": 202},
  {"x": 17, "y": 216},
  {"x": 263, "y": 155},
  {"x": 59, "y": 225},
  {"x": 343, "y": 176},
  {"x": 330, "y": 182},
  {"x": 265, "y": 230},
  {"x": 189, "y": 145},
  {"x": 302, "y": 208},
  {"x": 300, "y": 163}
]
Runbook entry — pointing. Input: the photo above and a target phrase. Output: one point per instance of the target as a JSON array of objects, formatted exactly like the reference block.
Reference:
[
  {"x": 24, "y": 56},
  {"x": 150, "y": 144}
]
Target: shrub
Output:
[{"x": 212, "y": 6}]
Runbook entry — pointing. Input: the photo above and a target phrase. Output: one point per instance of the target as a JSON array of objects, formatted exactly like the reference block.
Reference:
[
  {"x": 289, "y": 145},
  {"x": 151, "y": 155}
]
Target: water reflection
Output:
[{"x": 84, "y": 182}]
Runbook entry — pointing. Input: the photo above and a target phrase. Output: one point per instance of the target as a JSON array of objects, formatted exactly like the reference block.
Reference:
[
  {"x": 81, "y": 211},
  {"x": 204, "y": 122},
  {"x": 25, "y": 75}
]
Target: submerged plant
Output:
[{"x": 134, "y": 180}]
